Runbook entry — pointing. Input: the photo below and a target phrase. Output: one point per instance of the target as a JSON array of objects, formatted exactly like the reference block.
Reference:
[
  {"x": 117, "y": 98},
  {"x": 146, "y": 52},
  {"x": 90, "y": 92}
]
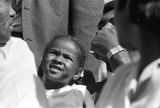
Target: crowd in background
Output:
[{"x": 79, "y": 54}]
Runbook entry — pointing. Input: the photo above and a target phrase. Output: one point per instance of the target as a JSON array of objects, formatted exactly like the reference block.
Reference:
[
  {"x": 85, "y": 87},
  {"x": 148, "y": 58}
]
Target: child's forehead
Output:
[
  {"x": 64, "y": 41},
  {"x": 59, "y": 41},
  {"x": 66, "y": 44}
]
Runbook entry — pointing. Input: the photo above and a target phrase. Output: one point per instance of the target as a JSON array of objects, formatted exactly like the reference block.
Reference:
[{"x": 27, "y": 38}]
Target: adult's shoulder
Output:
[
  {"x": 17, "y": 40},
  {"x": 22, "y": 54},
  {"x": 19, "y": 44}
]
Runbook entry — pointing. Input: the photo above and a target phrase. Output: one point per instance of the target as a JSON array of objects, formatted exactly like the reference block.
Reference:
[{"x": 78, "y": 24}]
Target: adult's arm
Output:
[{"x": 105, "y": 40}]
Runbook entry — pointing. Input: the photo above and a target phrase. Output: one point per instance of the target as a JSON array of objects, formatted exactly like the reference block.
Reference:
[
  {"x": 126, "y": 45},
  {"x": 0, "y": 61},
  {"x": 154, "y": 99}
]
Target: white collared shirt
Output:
[
  {"x": 70, "y": 97},
  {"x": 123, "y": 86},
  {"x": 19, "y": 86}
]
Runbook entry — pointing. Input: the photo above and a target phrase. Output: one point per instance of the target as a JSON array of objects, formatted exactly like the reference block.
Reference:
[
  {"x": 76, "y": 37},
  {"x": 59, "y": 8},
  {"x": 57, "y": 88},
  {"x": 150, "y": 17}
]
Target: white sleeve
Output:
[
  {"x": 21, "y": 89},
  {"x": 25, "y": 57},
  {"x": 31, "y": 92}
]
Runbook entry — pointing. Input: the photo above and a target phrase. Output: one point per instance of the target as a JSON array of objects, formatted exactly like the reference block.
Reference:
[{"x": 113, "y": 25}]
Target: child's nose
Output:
[{"x": 59, "y": 59}]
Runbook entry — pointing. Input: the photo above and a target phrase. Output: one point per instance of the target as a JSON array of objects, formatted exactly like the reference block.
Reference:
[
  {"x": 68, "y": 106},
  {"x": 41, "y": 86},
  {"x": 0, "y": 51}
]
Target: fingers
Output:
[{"x": 110, "y": 28}]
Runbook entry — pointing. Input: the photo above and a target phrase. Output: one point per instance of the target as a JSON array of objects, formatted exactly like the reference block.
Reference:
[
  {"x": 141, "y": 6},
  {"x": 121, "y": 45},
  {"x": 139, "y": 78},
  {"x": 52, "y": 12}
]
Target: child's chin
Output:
[{"x": 55, "y": 75}]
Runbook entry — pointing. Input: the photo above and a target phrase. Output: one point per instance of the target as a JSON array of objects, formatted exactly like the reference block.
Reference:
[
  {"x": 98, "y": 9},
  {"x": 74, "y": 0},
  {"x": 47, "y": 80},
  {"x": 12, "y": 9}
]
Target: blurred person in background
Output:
[
  {"x": 136, "y": 85},
  {"x": 103, "y": 44},
  {"x": 106, "y": 40}
]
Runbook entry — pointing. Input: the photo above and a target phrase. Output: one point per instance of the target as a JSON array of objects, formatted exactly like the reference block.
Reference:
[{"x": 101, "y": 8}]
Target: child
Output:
[{"x": 64, "y": 59}]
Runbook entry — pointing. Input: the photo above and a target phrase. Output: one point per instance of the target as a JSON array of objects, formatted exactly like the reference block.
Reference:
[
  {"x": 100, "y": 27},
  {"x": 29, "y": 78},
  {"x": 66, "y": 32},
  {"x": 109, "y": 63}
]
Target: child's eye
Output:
[
  {"x": 54, "y": 52},
  {"x": 51, "y": 54},
  {"x": 68, "y": 57}
]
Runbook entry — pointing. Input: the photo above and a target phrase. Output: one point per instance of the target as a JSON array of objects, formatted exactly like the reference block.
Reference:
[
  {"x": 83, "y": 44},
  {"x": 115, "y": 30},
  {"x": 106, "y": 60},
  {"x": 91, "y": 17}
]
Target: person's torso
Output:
[{"x": 67, "y": 97}]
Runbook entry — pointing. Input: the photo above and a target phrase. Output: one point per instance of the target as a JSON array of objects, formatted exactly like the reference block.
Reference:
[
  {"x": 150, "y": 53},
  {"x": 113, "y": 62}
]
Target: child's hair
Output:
[
  {"x": 81, "y": 54},
  {"x": 146, "y": 13}
]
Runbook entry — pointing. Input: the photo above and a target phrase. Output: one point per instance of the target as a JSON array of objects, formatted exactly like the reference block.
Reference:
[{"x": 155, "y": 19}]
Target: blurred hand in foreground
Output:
[{"x": 104, "y": 40}]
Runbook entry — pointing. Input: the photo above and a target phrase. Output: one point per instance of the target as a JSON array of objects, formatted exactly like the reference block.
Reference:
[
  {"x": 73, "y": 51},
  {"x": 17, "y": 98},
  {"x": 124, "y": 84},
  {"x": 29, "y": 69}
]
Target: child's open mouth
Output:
[{"x": 54, "y": 69}]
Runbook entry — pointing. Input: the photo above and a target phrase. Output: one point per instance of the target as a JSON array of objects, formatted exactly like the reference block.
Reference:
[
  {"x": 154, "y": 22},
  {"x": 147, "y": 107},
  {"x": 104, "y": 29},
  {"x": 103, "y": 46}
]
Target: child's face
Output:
[
  {"x": 61, "y": 61},
  {"x": 6, "y": 12}
]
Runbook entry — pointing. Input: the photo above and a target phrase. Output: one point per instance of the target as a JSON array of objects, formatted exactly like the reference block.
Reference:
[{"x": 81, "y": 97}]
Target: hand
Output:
[{"x": 104, "y": 40}]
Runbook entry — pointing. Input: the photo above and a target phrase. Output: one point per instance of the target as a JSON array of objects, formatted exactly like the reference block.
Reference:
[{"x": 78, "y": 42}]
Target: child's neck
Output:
[{"x": 49, "y": 84}]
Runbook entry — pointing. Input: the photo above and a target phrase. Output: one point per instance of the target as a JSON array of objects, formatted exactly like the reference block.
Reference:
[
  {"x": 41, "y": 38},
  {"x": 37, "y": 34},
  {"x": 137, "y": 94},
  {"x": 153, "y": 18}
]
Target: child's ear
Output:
[{"x": 78, "y": 74}]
